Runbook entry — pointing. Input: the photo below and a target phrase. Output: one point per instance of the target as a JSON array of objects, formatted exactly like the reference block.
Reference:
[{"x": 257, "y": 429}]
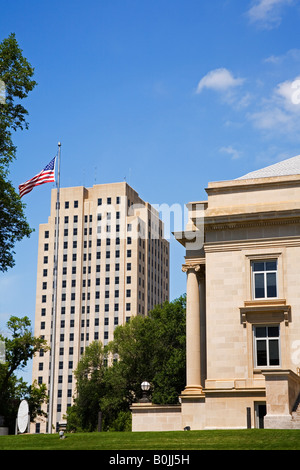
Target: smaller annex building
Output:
[{"x": 242, "y": 263}]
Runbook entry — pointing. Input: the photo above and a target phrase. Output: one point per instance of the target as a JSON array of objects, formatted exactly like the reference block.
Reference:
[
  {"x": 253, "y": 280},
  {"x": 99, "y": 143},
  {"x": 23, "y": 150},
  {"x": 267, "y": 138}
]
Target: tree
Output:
[
  {"x": 148, "y": 348},
  {"x": 15, "y": 73},
  {"x": 170, "y": 351},
  {"x": 89, "y": 378},
  {"x": 20, "y": 347},
  {"x": 153, "y": 349},
  {"x": 13, "y": 225},
  {"x": 15, "y": 79}
]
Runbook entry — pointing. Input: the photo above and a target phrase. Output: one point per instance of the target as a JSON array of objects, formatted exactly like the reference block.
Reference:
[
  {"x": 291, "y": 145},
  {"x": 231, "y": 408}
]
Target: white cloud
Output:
[
  {"x": 271, "y": 119},
  {"x": 293, "y": 55},
  {"x": 288, "y": 93},
  {"x": 267, "y": 13},
  {"x": 219, "y": 80},
  {"x": 235, "y": 154},
  {"x": 281, "y": 111}
]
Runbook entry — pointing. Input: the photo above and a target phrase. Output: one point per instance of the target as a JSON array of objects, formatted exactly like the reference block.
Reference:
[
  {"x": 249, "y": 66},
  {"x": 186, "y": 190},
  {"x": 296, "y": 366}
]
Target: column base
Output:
[{"x": 194, "y": 390}]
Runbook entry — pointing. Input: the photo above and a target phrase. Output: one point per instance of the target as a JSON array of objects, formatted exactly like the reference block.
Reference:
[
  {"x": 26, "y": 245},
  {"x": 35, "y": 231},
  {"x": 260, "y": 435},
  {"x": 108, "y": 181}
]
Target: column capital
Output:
[{"x": 196, "y": 267}]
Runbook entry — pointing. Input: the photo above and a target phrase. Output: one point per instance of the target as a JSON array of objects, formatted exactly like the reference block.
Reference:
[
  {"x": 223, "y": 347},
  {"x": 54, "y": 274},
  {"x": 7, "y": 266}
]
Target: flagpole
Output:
[{"x": 54, "y": 306}]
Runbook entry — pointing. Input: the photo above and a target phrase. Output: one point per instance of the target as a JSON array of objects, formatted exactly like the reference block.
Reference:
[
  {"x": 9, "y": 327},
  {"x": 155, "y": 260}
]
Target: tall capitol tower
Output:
[{"x": 112, "y": 264}]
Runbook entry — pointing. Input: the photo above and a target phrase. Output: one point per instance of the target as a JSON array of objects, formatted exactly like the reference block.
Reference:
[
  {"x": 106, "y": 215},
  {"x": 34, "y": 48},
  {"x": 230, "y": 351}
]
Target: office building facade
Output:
[{"x": 113, "y": 264}]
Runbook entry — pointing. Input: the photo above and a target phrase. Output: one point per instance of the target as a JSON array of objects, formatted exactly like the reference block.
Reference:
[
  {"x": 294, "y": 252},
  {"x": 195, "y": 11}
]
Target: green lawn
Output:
[{"x": 248, "y": 439}]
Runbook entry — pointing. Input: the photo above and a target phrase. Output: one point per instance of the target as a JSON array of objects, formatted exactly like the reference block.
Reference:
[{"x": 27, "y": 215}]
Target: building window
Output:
[
  {"x": 266, "y": 346},
  {"x": 264, "y": 278}
]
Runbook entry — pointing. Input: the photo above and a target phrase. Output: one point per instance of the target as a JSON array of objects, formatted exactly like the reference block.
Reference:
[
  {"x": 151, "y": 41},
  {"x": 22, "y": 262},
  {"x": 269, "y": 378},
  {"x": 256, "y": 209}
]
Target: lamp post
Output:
[{"x": 145, "y": 386}]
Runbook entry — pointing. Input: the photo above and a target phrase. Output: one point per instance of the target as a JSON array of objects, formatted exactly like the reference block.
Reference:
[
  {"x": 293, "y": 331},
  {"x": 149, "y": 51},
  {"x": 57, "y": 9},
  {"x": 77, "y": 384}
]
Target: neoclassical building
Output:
[{"x": 242, "y": 262}]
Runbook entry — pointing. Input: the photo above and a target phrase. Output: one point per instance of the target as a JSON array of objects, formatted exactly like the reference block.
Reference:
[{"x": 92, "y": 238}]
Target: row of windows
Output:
[
  {"x": 97, "y": 296},
  {"x": 87, "y": 282},
  {"x": 89, "y": 243},
  {"x": 84, "y": 322},
  {"x": 83, "y": 336},
  {"x": 88, "y": 257},
  {"x": 86, "y": 296},
  {"x": 90, "y": 217},
  {"x": 85, "y": 270},
  {"x": 60, "y": 379},
  {"x": 99, "y": 201}
]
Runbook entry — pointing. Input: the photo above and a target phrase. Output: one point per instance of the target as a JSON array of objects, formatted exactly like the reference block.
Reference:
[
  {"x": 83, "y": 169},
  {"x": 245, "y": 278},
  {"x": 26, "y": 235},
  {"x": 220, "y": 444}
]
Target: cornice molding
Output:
[
  {"x": 256, "y": 219},
  {"x": 238, "y": 245}
]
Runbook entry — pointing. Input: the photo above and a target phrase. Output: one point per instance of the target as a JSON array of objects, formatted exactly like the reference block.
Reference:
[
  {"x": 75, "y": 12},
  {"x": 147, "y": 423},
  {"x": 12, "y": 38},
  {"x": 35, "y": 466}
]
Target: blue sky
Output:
[{"x": 167, "y": 94}]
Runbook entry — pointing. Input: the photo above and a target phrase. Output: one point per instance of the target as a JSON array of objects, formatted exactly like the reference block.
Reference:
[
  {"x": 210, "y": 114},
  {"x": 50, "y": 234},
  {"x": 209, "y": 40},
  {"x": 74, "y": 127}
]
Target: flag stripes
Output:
[{"x": 45, "y": 176}]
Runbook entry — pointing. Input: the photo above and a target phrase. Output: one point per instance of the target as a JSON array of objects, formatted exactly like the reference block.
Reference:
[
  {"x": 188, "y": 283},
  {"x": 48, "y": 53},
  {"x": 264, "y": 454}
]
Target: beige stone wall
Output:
[
  {"x": 156, "y": 418},
  {"x": 246, "y": 220}
]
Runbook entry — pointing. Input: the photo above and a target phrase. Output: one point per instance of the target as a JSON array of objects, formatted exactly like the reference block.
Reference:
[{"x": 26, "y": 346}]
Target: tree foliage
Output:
[
  {"x": 89, "y": 379},
  {"x": 16, "y": 74},
  {"x": 148, "y": 348},
  {"x": 20, "y": 347},
  {"x": 16, "y": 82}
]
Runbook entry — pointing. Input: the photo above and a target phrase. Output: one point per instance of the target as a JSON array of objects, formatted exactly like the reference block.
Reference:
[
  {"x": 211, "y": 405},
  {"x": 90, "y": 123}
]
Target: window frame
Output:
[
  {"x": 267, "y": 339},
  {"x": 264, "y": 272}
]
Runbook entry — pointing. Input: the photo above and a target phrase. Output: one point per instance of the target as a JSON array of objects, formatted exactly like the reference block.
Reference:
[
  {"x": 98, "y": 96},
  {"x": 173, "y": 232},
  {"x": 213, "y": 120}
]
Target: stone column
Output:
[{"x": 193, "y": 363}]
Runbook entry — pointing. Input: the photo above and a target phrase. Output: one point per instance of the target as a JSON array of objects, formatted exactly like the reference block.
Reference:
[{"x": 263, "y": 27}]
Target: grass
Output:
[{"x": 248, "y": 439}]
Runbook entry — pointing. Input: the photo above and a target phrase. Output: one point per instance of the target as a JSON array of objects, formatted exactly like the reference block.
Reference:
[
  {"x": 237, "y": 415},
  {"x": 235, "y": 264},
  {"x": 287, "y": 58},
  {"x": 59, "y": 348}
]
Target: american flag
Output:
[{"x": 45, "y": 176}]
